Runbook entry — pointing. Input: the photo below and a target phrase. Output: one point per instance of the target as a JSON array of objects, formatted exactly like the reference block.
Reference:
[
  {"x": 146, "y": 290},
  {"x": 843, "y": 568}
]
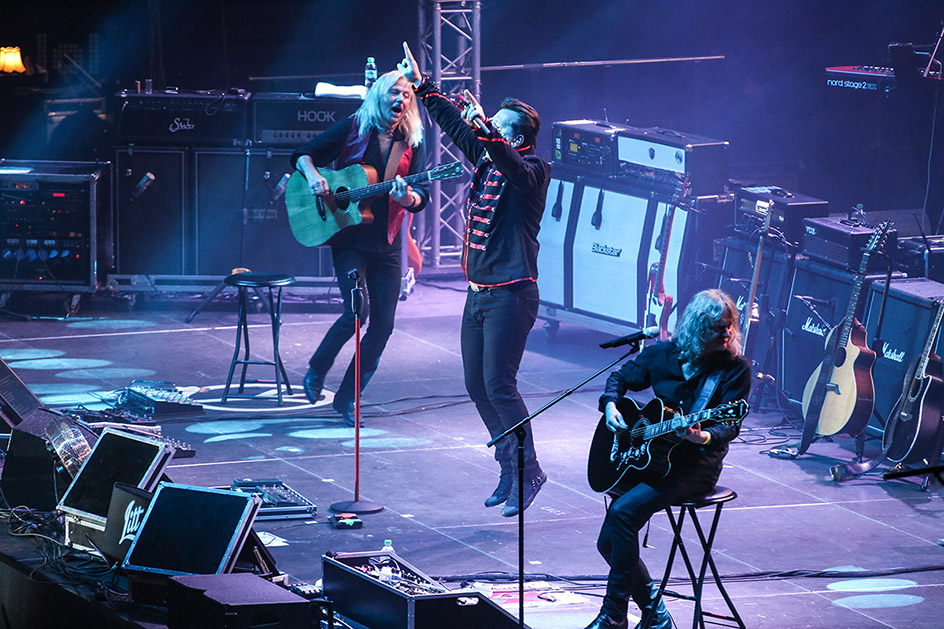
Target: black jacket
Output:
[
  {"x": 658, "y": 366},
  {"x": 505, "y": 205}
]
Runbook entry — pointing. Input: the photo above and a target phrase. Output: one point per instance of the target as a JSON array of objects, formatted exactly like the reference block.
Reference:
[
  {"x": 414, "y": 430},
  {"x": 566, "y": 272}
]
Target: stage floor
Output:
[{"x": 798, "y": 549}]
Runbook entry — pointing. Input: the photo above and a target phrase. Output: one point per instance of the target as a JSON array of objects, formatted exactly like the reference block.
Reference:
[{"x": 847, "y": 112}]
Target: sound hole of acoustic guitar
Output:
[
  {"x": 343, "y": 201},
  {"x": 840, "y": 357}
]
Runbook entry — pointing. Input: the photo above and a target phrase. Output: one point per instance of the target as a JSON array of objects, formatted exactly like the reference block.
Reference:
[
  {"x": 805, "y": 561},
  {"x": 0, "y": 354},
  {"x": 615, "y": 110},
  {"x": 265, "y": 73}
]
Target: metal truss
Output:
[{"x": 450, "y": 54}]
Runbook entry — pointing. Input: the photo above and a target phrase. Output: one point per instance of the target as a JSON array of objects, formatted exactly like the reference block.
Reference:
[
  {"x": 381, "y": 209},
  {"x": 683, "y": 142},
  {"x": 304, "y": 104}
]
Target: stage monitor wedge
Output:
[{"x": 192, "y": 530}]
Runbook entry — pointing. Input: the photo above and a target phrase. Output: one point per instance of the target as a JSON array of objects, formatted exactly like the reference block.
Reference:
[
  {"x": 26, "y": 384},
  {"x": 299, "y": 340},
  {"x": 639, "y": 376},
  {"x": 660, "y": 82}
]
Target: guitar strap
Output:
[
  {"x": 707, "y": 390},
  {"x": 396, "y": 211},
  {"x": 393, "y": 161}
]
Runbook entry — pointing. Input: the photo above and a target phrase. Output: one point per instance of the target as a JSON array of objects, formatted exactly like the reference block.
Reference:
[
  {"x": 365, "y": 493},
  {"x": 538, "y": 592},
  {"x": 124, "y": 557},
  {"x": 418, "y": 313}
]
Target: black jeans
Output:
[
  {"x": 495, "y": 327},
  {"x": 380, "y": 271},
  {"x": 619, "y": 537}
]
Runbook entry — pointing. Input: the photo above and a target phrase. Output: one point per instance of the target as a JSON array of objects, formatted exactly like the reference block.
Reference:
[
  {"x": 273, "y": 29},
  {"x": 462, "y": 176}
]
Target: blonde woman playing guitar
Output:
[{"x": 386, "y": 135}]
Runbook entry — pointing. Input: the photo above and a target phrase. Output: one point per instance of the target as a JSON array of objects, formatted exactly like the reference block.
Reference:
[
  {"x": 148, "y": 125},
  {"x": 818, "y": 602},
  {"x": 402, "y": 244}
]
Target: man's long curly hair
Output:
[
  {"x": 370, "y": 115},
  {"x": 694, "y": 330}
]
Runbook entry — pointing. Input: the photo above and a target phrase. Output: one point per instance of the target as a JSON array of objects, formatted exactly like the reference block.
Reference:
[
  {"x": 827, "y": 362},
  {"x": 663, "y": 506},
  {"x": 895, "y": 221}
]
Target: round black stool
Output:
[
  {"x": 715, "y": 498},
  {"x": 257, "y": 281}
]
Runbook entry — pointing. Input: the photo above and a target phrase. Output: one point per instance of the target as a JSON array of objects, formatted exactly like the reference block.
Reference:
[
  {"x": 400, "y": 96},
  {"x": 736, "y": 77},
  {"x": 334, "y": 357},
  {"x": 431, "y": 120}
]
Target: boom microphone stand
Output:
[
  {"x": 518, "y": 430},
  {"x": 357, "y": 505}
]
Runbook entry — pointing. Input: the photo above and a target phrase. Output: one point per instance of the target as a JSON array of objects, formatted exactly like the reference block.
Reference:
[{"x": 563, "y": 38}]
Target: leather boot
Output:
[
  {"x": 346, "y": 409},
  {"x": 661, "y": 619},
  {"x": 312, "y": 384},
  {"x": 606, "y": 621}
]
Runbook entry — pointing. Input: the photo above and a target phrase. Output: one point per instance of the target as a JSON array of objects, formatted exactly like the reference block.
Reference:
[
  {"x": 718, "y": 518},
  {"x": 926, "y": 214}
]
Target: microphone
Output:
[
  {"x": 814, "y": 300},
  {"x": 464, "y": 103},
  {"x": 646, "y": 333},
  {"x": 143, "y": 185},
  {"x": 279, "y": 189}
]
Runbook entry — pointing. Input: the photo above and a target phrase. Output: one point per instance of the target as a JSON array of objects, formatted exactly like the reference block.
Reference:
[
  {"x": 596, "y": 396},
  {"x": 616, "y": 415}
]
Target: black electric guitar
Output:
[
  {"x": 916, "y": 418},
  {"x": 839, "y": 395},
  {"x": 314, "y": 220},
  {"x": 649, "y": 442}
]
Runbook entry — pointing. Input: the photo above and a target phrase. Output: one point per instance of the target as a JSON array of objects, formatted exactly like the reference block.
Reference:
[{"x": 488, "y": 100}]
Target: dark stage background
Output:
[{"x": 768, "y": 97}]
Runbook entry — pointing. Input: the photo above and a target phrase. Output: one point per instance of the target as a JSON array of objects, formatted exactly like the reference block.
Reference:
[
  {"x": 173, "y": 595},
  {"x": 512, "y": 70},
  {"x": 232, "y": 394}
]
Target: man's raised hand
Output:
[{"x": 408, "y": 67}]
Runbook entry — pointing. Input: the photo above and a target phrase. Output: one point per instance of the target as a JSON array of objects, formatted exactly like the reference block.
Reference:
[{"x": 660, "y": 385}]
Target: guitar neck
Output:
[
  {"x": 679, "y": 421},
  {"x": 846, "y": 330},
  {"x": 382, "y": 187},
  {"x": 929, "y": 344}
]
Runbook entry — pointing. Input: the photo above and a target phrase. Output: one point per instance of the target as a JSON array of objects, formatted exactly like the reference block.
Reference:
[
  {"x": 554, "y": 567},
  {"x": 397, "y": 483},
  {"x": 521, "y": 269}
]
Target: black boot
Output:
[
  {"x": 606, "y": 621},
  {"x": 661, "y": 619},
  {"x": 501, "y": 493},
  {"x": 346, "y": 409},
  {"x": 312, "y": 384},
  {"x": 532, "y": 485}
]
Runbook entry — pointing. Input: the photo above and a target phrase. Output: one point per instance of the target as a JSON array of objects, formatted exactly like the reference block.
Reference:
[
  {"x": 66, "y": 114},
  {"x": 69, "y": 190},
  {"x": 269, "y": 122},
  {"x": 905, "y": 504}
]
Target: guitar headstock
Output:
[
  {"x": 875, "y": 242},
  {"x": 878, "y": 238},
  {"x": 736, "y": 410},
  {"x": 446, "y": 171}
]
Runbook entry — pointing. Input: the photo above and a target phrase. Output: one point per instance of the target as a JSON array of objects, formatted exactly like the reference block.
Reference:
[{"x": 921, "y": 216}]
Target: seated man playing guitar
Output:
[
  {"x": 700, "y": 368},
  {"x": 386, "y": 133}
]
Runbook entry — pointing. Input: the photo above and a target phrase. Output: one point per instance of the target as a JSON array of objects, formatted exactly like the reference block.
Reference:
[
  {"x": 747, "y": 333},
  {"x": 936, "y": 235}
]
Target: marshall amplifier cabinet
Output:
[
  {"x": 588, "y": 146},
  {"x": 819, "y": 297},
  {"x": 842, "y": 241},
  {"x": 909, "y": 314},
  {"x": 204, "y": 118},
  {"x": 753, "y": 202},
  {"x": 663, "y": 154},
  {"x": 290, "y": 119},
  {"x": 55, "y": 225}
]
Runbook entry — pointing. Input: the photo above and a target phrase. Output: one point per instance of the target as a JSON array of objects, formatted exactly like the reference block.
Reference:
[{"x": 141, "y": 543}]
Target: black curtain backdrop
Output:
[{"x": 768, "y": 97}]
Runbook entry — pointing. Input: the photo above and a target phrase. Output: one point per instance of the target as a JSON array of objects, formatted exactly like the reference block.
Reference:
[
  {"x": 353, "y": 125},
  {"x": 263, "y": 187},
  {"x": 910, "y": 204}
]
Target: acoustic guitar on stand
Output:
[
  {"x": 915, "y": 419},
  {"x": 839, "y": 395},
  {"x": 314, "y": 220}
]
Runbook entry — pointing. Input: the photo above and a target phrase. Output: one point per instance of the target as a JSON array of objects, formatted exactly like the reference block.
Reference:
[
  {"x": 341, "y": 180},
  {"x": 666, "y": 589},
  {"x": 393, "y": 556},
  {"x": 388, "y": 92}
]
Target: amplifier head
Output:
[{"x": 588, "y": 145}]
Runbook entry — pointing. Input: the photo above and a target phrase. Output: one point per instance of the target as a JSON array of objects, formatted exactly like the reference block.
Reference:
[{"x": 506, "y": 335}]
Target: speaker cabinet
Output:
[
  {"x": 239, "y": 220},
  {"x": 16, "y": 399},
  {"x": 909, "y": 314},
  {"x": 153, "y": 224},
  {"x": 234, "y": 601},
  {"x": 819, "y": 298},
  {"x": 738, "y": 263},
  {"x": 615, "y": 246},
  {"x": 556, "y": 255},
  {"x": 34, "y": 475}
]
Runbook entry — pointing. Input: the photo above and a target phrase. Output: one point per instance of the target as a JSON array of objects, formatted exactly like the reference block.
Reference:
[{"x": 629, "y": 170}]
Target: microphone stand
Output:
[
  {"x": 357, "y": 505},
  {"x": 519, "y": 432}
]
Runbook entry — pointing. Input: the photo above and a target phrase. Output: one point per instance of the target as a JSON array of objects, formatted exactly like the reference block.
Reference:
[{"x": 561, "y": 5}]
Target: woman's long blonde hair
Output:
[
  {"x": 704, "y": 311},
  {"x": 370, "y": 115}
]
